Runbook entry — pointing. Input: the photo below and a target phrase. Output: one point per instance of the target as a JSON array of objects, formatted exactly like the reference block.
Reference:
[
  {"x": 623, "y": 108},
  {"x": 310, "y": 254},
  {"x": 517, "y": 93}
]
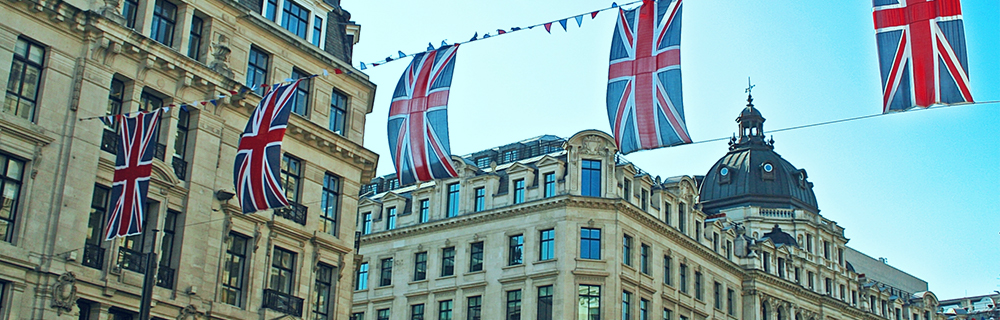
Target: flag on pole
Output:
[
  {"x": 133, "y": 166},
  {"x": 258, "y": 156},
  {"x": 645, "y": 107},
  {"x": 921, "y": 50},
  {"x": 418, "y": 118}
]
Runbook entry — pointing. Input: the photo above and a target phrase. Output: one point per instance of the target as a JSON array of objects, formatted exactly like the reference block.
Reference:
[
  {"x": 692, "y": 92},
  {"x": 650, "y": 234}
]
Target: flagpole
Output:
[{"x": 148, "y": 281}]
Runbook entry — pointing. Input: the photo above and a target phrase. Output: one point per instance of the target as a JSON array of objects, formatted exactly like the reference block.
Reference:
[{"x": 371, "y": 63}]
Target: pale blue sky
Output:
[{"x": 919, "y": 188}]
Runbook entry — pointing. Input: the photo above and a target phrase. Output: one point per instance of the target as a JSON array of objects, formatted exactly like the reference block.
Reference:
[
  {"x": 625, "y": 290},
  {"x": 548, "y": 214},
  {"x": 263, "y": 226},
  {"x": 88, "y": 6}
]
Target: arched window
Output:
[{"x": 763, "y": 312}]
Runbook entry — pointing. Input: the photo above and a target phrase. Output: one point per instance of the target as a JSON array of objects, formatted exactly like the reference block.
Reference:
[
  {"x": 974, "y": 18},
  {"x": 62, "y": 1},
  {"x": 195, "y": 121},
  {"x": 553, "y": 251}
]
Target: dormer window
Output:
[{"x": 303, "y": 21}]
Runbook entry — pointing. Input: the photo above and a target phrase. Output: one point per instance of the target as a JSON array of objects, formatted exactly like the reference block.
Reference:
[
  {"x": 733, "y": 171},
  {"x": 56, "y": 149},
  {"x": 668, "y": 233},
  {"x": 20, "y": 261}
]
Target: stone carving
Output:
[
  {"x": 220, "y": 57},
  {"x": 593, "y": 145},
  {"x": 189, "y": 312},
  {"x": 64, "y": 292},
  {"x": 110, "y": 11}
]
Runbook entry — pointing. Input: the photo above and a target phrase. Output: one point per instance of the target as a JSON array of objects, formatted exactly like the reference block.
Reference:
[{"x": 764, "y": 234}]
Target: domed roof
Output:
[
  {"x": 752, "y": 174},
  {"x": 780, "y": 237}
]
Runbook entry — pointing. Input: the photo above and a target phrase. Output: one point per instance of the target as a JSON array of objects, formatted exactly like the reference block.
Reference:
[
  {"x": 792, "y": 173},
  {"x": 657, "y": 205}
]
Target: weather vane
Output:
[{"x": 749, "y": 95}]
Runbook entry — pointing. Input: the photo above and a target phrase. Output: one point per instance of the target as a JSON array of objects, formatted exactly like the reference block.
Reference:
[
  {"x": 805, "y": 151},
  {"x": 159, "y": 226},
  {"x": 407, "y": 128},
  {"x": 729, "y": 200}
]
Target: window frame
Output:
[
  {"x": 513, "y": 304},
  {"x": 515, "y": 250},
  {"x": 644, "y": 251},
  {"x": 258, "y": 63},
  {"x": 26, "y": 61},
  {"x": 682, "y": 272},
  {"x": 417, "y": 311},
  {"x": 476, "y": 256},
  {"x": 445, "y": 309},
  {"x": 291, "y": 194},
  {"x": 329, "y": 213},
  {"x": 627, "y": 250},
  {"x": 195, "y": 36},
  {"x": 448, "y": 261},
  {"x": 589, "y": 300},
  {"x": 590, "y": 178},
  {"x": 321, "y": 306},
  {"x": 474, "y": 308},
  {"x": 425, "y": 207},
  {"x": 420, "y": 266},
  {"x": 163, "y": 24},
  {"x": 626, "y": 305},
  {"x": 11, "y": 221},
  {"x": 588, "y": 241},
  {"x": 549, "y": 184},
  {"x": 239, "y": 287},
  {"x": 454, "y": 199},
  {"x": 518, "y": 191},
  {"x": 302, "y": 91},
  {"x": 546, "y": 245},
  {"x": 366, "y": 223},
  {"x": 480, "y": 199},
  {"x": 385, "y": 272},
  {"x": 544, "y": 304},
  {"x": 668, "y": 262},
  {"x": 361, "y": 277},
  {"x": 339, "y": 104},
  {"x": 276, "y": 266},
  {"x": 390, "y": 218},
  {"x": 301, "y": 18}
]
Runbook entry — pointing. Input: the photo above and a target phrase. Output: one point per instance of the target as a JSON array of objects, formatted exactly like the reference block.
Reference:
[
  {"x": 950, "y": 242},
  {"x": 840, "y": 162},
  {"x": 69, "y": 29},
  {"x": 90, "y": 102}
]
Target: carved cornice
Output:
[{"x": 312, "y": 134}]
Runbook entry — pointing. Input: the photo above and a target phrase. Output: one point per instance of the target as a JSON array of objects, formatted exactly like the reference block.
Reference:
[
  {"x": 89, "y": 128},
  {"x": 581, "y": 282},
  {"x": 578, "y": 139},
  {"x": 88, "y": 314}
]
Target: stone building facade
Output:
[
  {"x": 552, "y": 228},
  {"x": 63, "y": 60}
]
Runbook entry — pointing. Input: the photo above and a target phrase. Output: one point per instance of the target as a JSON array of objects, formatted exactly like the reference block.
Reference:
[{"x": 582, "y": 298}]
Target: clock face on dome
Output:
[
  {"x": 724, "y": 171},
  {"x": 768, "y": 167}
]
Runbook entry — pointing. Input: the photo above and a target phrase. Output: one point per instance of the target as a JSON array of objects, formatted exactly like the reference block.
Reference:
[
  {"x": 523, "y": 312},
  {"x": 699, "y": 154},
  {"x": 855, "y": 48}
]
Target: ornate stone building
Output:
[
  {"x": 566, "y": 229},
  {"x": 61, "y": 60}
]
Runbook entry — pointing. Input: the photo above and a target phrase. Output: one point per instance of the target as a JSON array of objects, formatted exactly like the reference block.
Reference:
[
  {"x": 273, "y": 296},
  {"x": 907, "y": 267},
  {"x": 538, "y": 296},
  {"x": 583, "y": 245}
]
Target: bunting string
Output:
[{"x": 499, "y": 32}]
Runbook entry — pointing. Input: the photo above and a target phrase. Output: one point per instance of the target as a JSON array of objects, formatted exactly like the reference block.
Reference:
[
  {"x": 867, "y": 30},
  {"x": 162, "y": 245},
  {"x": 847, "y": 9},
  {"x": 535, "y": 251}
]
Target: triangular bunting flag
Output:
[
  {"x": 614, "y": 4},
  {"x": 563, "y": 24},
  {"x": 389, "y": 58},
  {"x": 430, "y": 47},
  {"x": 500, "y": 31},
  {"x": 548, "y": 27},
  {"x": 514, "y": 29},
  {"x": 443, "y": 43},
  {"x": 579, "y": 20},
  {"x": 593, "y": 14},
  {"x": 338, "y": 71},
  {"x": 401, "y": 55},
  {"x": 487, "y": 35},
  {"x": 363, "y": 66},
  {"x": 475, "y": 36}
]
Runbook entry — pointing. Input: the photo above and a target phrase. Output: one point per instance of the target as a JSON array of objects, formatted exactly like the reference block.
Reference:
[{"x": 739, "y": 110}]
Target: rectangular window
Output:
[
  {"x": 626, "y": 305},
  {"x": 317, "y": 31},
  {"x": 129, "y": 10},
  {"x": 366, "y": 223},
  {"x": 131, "y": 252},
  {"x": 765, "y": 258},
  {"x": 361, "y": 279},
  {"x": 390, "y": 218},
  {"x": 516, "y": 250},
  {"x": 453, "y": 196},
  {"x": 697, "y": 286},
  {"x": 476, "y": 257},
  {"x": 329, "y": 205},
  {"x": 797, "y": 278},
  {"x": 270, "y": 9},
  {"x": 644, "y": 197},
  {"x": 842, "y": 293},
  {"x": 643, "y": 309},
  {"x": 282, "y": 271},
  {"x": 420, "y": 266},
  {"x": 809, "y": 243},
  {"x": 667, "y": 314},
  {"x": 810, "y": 279},
  {"x": 682, "y": 218},
  {"x": 683, "y": 275},
  {"x": 730, "y": 309},
  {"x": 717, "y": 295},
  {"x": 338, "y": 113},
  {"x": 149, "y": 101},
  {"x": 715, "y": 241},
  {"x": 25, "y": 79},
  {"x": 544, "y": 303},
  {"x": 385, "y": 277},
  {"x": 291, "y": 177},
  {"x": 234, "y": 269},
  {"x": 729, "y": 249},
  {"x": 194, "y": 38},
  {"x": 590, "y": 178},
  {"x": 697, "y": 230},
  {"x": 519, "y": 191},
  {"x": 480, "y": 199},
  {"x": 165, "y": 271},
  {"x": 383, "y": 314},
  {"x": 448, "y": 261},
  {"x": 93, "y": 254},
  {"x": 509, "y": 156},
  {"x": 514, "y": 305},
  {"x": 590, "y": 243},
  {"x": 444, "y": 310},
  {"x": 627, "y": 250},
  {"x": 324, "y": 292},
  {"x": 644, "y": 251},
  {"x": 589, "y": 302},
  {"x": 164, "y": 21},
  {"x": 358, "y": 316},
  {"x": 828, "y": 285},
  {"x": 550, "y": 184},
  {"x": 546, "y": 246},
  {"x": 781, "y": 267},
  {"x": 668, "y": 276},
  {"x": 826, "y": 250},
  {"x": 666, "y": 213},
  {"x": 300, "y": 100},
  {"x": 417, "y": 312},
  {"x": 257, "y": 65},
  {"x": 475, "y": 308},
  {"x": 12, "y": 171},
  {"x": 295, "y": 18},
  {"x": 840, "y": 256},
  {"x": 627, "y": 190},
  {"x": 116, "y": 98},
  {"x": 179, "y": 160}
]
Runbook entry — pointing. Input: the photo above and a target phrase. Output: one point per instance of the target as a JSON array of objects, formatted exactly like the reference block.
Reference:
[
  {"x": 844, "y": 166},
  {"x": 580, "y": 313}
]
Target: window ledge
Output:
[
  {"x": 446, "y": 277},
  {"x": 419, "y": 281},
  {"x": 512, "y": 266},
  {"x": 475, "y": 272},
  {"x": 545, "y": 261}
]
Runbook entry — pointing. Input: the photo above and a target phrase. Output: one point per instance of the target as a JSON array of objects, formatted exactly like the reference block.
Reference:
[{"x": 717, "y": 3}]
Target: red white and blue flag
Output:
[
  {"x": 921, "y": 51},
  {"x": 133, "y": 166},
  {"x": 258, "y": 157},
  {"x": 645, "y": 106},
  {"x": 418, "y": 118}
]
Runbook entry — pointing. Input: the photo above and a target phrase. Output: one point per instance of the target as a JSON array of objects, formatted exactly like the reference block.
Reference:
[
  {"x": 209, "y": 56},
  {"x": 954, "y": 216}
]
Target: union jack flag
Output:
[
  {"x": 921, "y": 51},
  {"x": 133, "y": 166},
  {"x": 645, "y": 106},
  {"x": 258, "y": 157},
  {"x": 418, "y": 118}
]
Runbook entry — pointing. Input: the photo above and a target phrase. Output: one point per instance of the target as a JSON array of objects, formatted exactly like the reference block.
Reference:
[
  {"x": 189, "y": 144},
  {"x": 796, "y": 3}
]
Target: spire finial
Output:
[{"x": 749, "y": 94}]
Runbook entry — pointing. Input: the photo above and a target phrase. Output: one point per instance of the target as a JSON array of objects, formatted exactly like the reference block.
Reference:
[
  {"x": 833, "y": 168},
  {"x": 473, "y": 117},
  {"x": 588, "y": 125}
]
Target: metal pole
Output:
[{"x": 148, "y": 281}]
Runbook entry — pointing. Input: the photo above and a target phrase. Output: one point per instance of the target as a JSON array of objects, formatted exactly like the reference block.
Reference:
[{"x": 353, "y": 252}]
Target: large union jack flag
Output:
[
  {"x": 418, "y": 118},
  {"x": 258, "y": 157},
  {"x": 133, "y": 166},
  {"x": 921, "y": 51},
  {"x": 645, "y": 106}
]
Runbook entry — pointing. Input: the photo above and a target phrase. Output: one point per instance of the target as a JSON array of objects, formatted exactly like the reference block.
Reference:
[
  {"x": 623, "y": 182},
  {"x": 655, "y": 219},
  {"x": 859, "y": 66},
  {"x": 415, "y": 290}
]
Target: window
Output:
[
  {"x": 730, "y": 309},
  {"x": 550, "y": 184},
  {"x": 483, "y": 162},
  {"x": 590, "y": 178},
  {"x": 475, "y": 306},
  {"x": 765, "y": 258},
  {"x": 697, "y": 230},
  {"x": 509, "y": 156},
  {"x": 180, "y": 143},
  {"x": 361, "y": 279},
  {"x": 667, "y": 314},
  {"x": 840, "y": 256},
  {"x": 729, "y": 249},
  {"x": 667, "y": 272},
  {"x": 130, "y": 253},
  {"x": 444, "y": 310},
  {"x": 476, "y": 257},
  {"x": 828, "y": 285},
  {"x": 826, "y": 250},
  {"x": 25, "y": 79},
  {"x": 291, "y": 175},
  {"x": 121, "y": 314},
  {"x": 666, "y": 213},
  {"x": 516, "y": 250},
  {"x": 329, "y": 205},
  {"x": 366, "y": 224},
  {"x": 810, "y": 279},
  {"x": 390, "y": 218},
  {"x": 644, "y": 258},
  {"x": 589, "y": 302},
  {"x": 149, "y": 101},
  {"x": 697, "y": 286},
  {"x": 358, "y": 316},
  {"x": 164, "y": 21},
  {"x": 519, "y": 191},
  {"x": 317, "y": 31},
  {"x": 809, "y": 243},
  {"x": 282, "y": 271},
  {"x": 448, "y": 261},
  {"x": 715, "y": 241},
  {"x": 269, "y": 10},
  {"x": 590, "y": 243},
  {"x": 324, "y": 292},
  {"x": 257, "y": 69},
  {"x": 627, "y": 190},
  {"x": 425, "y": 206},
  {"x": 420, "y": 266},
  {"x": 626, "y": 305},
  {"x": 338, "y": 113},
  {"x": 514, "y": 305},
  {"x": 781, "y": 267},
  {"x": 682, "y": 218},
  {"x": 194, "y": 38},
  {"x": 643, "y": 309},
  {"x": 300, "y": 100},
  {"x": 544, "y": 303},
  {"x": 717, "y": 295},
  {"x": 480, "y": 199},
  {"x": 115, "y": 101},
  {"x": 842, "y": 293},
  {"x": 546, "y": 246},
  {"x": 10, "y": 185},
  {"x": 417, "y": 312},
  {"x": 295, "y": 18},
  {"x": 644, "y": 197},
  {"x": 129, "y": 9},
  {"x": 165, "y": 272},
  {"x": 385, "y": 277},
  {"x": 93, "y": 254},
  {"x": 627, "y": 250},
  {"x": 234, "y": 269},
  {"x": 453, "y": 199},
  {"x": 797, "y": 279},
  {"x": 383, "y": 314},
  {"x": 684, "y": 281}
]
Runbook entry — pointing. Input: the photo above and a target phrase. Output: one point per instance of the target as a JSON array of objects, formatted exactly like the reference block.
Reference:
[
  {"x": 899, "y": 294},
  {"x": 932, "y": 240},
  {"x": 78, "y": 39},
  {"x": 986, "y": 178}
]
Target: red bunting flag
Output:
[
  {"x": 500, "y": 31},
  {"x": 548, "y": 27},
  {"x": 593, "y": 14}
]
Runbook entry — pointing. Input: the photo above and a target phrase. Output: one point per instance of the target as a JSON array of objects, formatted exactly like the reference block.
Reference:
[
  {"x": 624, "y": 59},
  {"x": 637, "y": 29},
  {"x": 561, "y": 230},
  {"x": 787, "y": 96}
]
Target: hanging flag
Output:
[
  {"x": 475, "y": 37},
  {"x": 579, "y": 20},
  {"x": 133, "y": 165},
  {"x": 418, "y": 118},
  {"x": 593, "y": 14},
  {"x": 548, "y": 27},
  {"x": 563, "y": 24},
  {"x": 922, "y": 56},
  {"x": 645, "y": 107},
  {"x": 258, "y": 157}
]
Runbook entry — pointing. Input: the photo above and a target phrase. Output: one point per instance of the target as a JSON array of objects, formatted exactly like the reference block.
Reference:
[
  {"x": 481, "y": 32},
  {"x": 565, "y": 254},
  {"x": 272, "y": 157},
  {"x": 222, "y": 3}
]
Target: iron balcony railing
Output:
[
  {"x": 180, "y": 167},
  {"x": 165, "y": 277},
  {"x": 109, "y": 141},
  {"x": 161, "y": 151},
  {"x": 93, "y": 256},
  {"x": 132, "y": 260},
  {"x": 294, "y": 211},
  {"x": 283, "y": 302}
]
